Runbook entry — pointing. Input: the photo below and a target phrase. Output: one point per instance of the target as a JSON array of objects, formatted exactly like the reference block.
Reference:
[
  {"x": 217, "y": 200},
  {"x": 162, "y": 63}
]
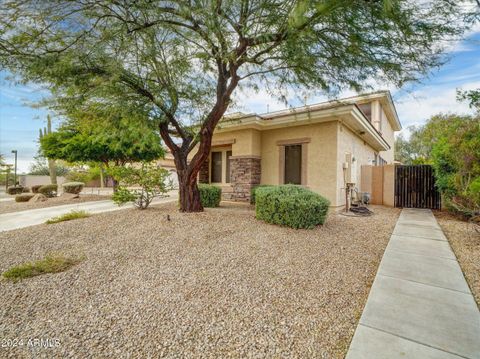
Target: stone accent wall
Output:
[
  {"x": 245, "y": 173},
  {"x": 203, "y": 174}
]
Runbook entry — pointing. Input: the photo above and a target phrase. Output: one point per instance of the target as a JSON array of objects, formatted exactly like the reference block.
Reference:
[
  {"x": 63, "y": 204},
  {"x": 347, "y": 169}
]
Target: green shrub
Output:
[
  {"x": 291, "y": 206},
  {"x": 253, "y": 191},
  {"x": 25, "y": 190},
  {"x": 36, "y": 187},
  {"x": 68, "y": 217},
  {"x": 25, "y": 197},
  {"x": 49, "y": 190},
  {"x": 73, "y": 187},
  {"x": 50, "y": 264},
  {"x": 210, "y": 196},
  {"x": 14, "y": 190}
]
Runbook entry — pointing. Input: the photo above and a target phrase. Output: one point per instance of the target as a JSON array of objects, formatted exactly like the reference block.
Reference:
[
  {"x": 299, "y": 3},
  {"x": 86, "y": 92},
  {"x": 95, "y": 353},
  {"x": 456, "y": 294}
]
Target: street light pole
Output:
[{"x": 15, "y": 173}]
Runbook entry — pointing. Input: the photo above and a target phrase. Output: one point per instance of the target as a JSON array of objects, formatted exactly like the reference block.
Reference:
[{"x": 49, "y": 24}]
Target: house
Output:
[{"x": 321, "y": 147}]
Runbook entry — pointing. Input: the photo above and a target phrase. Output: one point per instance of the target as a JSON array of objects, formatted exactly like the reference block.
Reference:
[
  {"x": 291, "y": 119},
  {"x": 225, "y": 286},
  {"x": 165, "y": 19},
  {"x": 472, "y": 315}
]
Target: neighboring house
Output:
[{"x": 321, "y": 147}]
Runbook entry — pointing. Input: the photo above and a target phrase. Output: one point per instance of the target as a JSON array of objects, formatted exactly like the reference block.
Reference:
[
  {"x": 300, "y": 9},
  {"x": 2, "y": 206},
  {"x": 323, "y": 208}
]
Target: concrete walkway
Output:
[
  {"x": 32, "y": 217},
  {"x": 420, "y": 305}
]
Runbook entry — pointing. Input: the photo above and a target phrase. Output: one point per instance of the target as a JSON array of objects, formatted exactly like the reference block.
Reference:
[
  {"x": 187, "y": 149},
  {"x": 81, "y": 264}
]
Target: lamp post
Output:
[{"x": 15, "y": 173}]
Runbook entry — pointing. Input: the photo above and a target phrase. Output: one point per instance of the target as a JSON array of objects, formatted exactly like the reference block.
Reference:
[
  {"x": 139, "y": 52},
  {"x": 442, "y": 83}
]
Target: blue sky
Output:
[{"x": 19, "y": 123}]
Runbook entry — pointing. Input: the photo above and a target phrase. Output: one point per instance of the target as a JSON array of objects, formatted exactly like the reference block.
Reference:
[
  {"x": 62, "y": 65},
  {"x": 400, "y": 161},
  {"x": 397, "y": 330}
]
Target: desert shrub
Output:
[
  {"x": 36, "y": 187},
  {"x": 291, "y": 206},
  {"x": 53, "y": 263},
  {"x": 73, "y": 187},
  {"x": 254, "y": 189},
  {"x": 210, "y": 195},
  {"x": 68, "y": 217},
  {"x": 150, "y": 179},
  {"x": 24, "y": 197},
  {"x": 48, "y": 190},
  {"x": 14, "y": 190}
]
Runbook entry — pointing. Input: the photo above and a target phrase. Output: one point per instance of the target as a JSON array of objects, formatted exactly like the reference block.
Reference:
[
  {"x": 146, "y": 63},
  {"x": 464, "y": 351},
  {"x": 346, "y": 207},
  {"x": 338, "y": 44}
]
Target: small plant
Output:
[
  {"x": 210, "y": 195},
  {"x": 291, "y": 206},
  {"x": 24, "y": 197},
  {"x": 36, "y": 188},
  {"x": 68, "y": 217},
  {"x": 49, "y": 190},
  {"x": 50, "y": 264},
  {"x": 150, "y": 178},
  {"x": 25, "y": 190},
  {"x": 73, "y": 187},
  {"x": 14, "y": 190}
]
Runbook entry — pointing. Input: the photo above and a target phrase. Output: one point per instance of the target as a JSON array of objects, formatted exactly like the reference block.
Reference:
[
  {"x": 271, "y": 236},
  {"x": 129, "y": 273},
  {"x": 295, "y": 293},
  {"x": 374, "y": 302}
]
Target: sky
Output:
[{"x": 415, "y": 103}]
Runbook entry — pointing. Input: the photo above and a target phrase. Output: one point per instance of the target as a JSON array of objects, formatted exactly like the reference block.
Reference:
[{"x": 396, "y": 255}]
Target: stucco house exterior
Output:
[{"x": 321, "y": 147}]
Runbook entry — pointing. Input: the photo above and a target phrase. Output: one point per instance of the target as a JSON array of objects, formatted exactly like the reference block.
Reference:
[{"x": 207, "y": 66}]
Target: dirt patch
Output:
[
  {"x": 465, "y": 242},
  {"x": 12, "y": 206},
  {"x": 213, "y": 284}
]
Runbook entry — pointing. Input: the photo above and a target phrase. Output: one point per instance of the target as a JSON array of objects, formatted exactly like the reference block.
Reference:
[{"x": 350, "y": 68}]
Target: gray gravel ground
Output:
[
  {"x": 465, "y": 242},
  {"x": 12, "y": 206},
  {"x": 217, "y": 284}
]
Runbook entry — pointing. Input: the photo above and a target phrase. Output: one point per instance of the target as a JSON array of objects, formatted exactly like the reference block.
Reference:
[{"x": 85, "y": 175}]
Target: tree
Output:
[
  {"x": 103, "y": 135},
  {"x": 183, "y": 60}
]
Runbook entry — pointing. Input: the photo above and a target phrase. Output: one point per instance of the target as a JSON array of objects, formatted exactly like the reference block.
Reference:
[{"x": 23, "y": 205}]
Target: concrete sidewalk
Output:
[
  {"x": 32, "y": 217},
  {"x": 420, "y": 305}
]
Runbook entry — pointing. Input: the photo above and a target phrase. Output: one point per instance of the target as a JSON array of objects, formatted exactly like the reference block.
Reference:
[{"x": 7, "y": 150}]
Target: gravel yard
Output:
[
  {"x": 216, "y": 284},
  {"x": 12, "y": 206},
  {"x": 465, "y": 243}
]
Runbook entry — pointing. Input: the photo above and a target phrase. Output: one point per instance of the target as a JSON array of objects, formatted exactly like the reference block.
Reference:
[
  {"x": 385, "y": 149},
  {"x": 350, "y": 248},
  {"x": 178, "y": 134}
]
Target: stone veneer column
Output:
[{"x": 245, "y": 172}]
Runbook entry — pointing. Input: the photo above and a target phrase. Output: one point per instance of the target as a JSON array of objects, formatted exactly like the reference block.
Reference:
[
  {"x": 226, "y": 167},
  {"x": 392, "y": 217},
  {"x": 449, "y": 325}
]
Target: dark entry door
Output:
[{"x": 415, "y": 187}]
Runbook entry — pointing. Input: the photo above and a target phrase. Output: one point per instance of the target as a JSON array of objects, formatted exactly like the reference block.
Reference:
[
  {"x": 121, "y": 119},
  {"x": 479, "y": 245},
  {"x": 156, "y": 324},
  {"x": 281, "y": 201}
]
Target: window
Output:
[
  {"x": 227, "y": 175},
  {"x": 366, "y": 108},
  {"x": 216, "y": 167},
  {"x": 293, "y": 164}
]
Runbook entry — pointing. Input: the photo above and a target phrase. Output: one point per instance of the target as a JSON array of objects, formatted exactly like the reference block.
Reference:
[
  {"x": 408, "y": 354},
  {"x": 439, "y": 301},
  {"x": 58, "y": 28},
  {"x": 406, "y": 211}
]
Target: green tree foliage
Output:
[
  {"x": 150, "y": 180},
  {"x": 106, "y": 135},
  {"x": 183, "y": 60},
  {"x": 456, "y": 159}
]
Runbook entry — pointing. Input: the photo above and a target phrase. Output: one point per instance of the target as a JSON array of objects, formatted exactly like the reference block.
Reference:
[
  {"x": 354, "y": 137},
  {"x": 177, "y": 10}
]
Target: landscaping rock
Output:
[
  {"x": 38, "y": 198},
  {"x": 69, "y": 195}
]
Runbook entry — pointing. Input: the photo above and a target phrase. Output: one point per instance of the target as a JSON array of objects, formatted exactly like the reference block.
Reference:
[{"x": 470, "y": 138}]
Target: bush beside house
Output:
[
  {"x": 291, "y": 206},
  {"x": 210, "y": 195}
]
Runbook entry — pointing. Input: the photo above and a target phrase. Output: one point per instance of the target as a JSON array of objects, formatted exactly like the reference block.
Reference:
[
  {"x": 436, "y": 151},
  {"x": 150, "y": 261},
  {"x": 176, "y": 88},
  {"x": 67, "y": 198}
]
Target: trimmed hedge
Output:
[
  {"x": 25, "y": 190},
  {"x": 24, "y": 197},
  {"x": 15, "y": 190},
  {"x": 291, "y": 206},
  {"x": 36, "y": 187},
  {"x": 254, "y": 189},
  {"x": 49, "y": 190},
  {"x": 210, "y": 196},
  {"x": 73, "y": 187}
]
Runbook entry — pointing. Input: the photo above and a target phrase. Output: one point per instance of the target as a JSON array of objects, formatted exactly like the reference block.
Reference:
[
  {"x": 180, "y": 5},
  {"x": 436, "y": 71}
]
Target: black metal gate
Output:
[{"x": 415, "y": 187}]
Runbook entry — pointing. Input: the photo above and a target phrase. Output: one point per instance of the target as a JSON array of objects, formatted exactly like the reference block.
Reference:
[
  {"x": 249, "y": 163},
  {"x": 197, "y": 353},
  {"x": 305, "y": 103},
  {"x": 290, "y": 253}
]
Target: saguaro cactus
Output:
[{"x": 52, "y": 166}]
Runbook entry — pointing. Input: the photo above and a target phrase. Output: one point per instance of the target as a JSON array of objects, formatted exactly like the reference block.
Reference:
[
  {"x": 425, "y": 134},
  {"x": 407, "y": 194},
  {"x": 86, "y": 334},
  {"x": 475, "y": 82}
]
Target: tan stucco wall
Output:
[
  {"x": 321, "y": 156},
  {"x": 246, "y": 142},
  {"x": 348, "y": 142},
  {"x": 388, "y": 134}
]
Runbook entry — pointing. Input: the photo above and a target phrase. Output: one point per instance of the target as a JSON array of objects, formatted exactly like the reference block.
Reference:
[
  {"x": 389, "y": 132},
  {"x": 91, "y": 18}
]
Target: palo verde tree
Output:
[
  {"x": 184, "y": 59},
  {"x": 107, "y": 135}
]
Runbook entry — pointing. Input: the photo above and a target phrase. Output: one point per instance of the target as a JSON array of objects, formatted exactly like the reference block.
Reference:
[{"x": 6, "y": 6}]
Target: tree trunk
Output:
[{"x": 189, "y": 195}]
